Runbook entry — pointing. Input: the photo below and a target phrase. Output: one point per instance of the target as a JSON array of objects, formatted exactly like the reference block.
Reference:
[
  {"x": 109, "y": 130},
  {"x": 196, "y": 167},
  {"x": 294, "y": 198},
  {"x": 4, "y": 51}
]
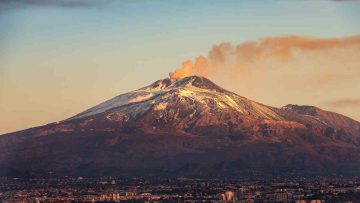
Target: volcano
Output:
[{"x": 189, "y": 127}]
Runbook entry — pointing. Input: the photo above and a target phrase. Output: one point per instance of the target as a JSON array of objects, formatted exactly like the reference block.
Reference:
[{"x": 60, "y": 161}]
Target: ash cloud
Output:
[{"x": 267, "y": 52}]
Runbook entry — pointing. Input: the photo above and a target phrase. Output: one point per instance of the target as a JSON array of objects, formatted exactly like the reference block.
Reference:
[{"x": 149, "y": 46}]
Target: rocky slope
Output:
[{"x": 188, "y": 127}]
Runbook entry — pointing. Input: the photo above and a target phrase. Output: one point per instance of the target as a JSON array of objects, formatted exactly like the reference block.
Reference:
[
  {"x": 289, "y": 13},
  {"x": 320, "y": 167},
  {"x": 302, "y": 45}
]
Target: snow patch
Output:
[
  {"x": 186, "y": 93},
  {"x": 230, "y": 101},
  {"x": 221, "y": 105},
  {"x": 161, "y": 106},
  {"x": 141, "y": 98}
]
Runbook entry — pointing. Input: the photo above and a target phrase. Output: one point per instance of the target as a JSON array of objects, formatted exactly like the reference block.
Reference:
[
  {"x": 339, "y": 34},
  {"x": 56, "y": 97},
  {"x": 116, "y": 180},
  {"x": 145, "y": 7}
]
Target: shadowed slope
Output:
[{"x": 187, "y": 127}]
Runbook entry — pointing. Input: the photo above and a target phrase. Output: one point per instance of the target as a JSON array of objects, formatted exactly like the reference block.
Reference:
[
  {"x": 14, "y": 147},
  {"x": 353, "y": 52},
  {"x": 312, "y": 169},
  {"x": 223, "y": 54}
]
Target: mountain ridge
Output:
[{"x": 170, "y": 126}]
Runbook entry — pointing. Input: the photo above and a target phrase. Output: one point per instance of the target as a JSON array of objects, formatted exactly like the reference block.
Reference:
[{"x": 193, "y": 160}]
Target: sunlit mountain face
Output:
[{"x": 187, "y": 127}]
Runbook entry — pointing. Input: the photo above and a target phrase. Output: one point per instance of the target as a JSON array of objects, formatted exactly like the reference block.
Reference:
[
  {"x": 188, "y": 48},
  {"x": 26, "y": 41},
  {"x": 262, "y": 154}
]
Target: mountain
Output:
[{"x": 188, "y": 127}]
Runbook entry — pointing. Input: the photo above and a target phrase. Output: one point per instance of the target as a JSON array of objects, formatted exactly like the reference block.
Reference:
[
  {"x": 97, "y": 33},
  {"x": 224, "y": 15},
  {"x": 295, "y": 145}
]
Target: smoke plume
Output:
[
  {"x": 265, "y": 53},
  {"x": 282, "y": 70}
]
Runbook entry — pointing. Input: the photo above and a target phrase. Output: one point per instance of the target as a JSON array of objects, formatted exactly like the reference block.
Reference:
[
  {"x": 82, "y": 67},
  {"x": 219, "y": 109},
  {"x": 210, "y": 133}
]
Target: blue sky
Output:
[{"x": 196, "y": 25}]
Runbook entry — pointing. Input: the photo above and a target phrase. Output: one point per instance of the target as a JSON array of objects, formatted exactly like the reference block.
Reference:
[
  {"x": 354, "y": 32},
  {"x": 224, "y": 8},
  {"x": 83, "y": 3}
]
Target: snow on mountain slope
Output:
[
  {"x": 127, "y": 98},
  {"x": 170, "y": 127},
  {"x": 194, "y": 89}
]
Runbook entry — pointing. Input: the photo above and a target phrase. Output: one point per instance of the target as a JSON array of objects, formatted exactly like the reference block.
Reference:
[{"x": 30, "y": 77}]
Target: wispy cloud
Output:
[
  {"x": 58, "y": 3},
  {"x": 344, "y": 0},
  {"x": 341, "y": 103}
]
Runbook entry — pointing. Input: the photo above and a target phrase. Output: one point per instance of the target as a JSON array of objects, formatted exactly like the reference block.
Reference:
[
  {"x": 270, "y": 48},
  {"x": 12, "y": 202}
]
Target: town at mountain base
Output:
[{"x": 187, "y": 128}]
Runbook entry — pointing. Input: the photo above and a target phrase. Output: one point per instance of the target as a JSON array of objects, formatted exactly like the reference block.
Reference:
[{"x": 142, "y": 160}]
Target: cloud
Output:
[
  {"x": 340, "y": 56},
  {"x": 58, "y": 3},
  {"x": 343, "y": 0},
  {"x": 343, "y": 103},
  {"x": 285, "y": 69}
]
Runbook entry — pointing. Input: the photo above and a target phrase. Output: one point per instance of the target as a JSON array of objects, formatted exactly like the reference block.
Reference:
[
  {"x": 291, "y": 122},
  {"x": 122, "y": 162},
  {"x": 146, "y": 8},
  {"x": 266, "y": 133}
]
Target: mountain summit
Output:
[
  {"x": 191, "y": 97},
  {"x": 187, "y": 127}
]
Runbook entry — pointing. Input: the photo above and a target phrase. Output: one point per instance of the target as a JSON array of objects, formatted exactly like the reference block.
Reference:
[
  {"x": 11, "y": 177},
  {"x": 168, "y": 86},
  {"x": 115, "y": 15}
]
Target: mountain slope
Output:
[
  {"x": 188, "y": 127},
  {"x": 199, "y": 90},
  {"x": 335, "y": 120}
]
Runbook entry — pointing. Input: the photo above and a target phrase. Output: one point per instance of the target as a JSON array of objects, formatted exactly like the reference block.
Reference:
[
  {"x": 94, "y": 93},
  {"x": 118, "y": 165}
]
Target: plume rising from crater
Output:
[
  {"x": 267, "y": 52},
  {"x": 280, "y": 70}
]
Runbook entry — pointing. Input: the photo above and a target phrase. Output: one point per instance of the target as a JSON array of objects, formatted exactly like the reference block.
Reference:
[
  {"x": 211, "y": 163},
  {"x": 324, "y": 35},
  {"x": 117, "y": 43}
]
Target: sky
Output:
[{"x": 60, "y": 57}]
